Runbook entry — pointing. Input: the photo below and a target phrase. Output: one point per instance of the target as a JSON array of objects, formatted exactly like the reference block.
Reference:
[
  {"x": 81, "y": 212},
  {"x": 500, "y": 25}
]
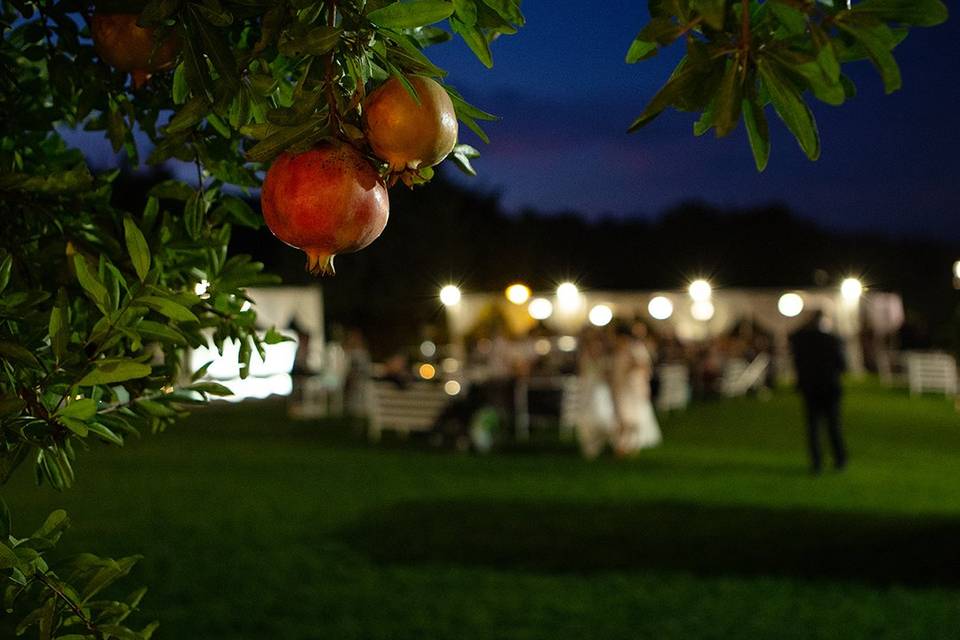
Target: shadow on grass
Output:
[{"x": 702, "y": 540}]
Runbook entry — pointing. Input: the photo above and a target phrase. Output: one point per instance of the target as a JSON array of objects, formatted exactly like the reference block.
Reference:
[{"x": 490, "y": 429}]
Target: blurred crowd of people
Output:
[{"x": 617, "y": 369}]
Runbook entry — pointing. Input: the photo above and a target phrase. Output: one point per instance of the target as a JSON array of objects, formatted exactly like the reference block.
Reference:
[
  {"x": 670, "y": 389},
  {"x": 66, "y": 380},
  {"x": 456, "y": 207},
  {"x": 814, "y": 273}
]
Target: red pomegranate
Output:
[
  {"x": 124, "y": 45},
  {"x": 326, "y": 201}
]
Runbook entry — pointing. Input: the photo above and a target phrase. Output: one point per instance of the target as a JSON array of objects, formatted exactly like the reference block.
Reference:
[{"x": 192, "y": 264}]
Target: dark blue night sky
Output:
[{"x": 566, "y": 97}]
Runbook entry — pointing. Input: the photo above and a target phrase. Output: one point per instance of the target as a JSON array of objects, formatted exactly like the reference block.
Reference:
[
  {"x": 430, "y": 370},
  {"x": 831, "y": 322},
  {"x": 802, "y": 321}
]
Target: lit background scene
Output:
[{"x": 430, "y": 453}]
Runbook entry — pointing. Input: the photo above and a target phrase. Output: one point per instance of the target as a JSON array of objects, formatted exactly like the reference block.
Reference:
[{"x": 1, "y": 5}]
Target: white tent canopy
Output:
[
  {"x": 881, "y": 312},
  {"x": 277, "y": 307}
]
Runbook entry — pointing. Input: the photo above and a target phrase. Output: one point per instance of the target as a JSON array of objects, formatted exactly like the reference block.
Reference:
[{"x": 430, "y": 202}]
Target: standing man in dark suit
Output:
[{"x": 819, "y": 361}]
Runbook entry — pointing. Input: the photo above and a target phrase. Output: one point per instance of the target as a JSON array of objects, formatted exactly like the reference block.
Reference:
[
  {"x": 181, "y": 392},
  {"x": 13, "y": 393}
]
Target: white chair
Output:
[
  {"x": 931, "y": 372},
  {"x": 414, "y": 408},
  {"x": 674, "y": 387},
  {"x": 740, "y": 377}
]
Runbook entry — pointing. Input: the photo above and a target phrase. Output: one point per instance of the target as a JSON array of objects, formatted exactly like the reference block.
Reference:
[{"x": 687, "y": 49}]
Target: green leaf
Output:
[
  {"x": 640, "y": 49},
  {"x": 686, "y": 77},
  {"x": 283, "y": 137},
  {"x": 137, "y": 247},
  {"x": 758, "y": 131},
  {"x": 58, "y": 327},
  {"x": 713, "y": 11},
  {"x": 275, "y": 337},
  {"x": 316, "y": 42},
  {"x": 826, "y": 54},
  {"x": 217, "y": 48},
  {"x": 240, "y": 212},
  {"x": 879, "y": 41},
  {"x": 83, "y": 409},
  {"x": 105, "y": 433},
  {"x": 920, "y": 13},
  {"x": 121, "y": 633},
  {"x": 169, "y": 308},
  {"x": 181, "y": 90},
  {"x": 151, "y": 330},
  {"x": 75, "y": 425},
  {"x": 6, "y": 522},
  {"x": 462, "y": 155},
  {"x": 55, "y": 524},
  {"x": 6, "y": 266},
  {"x": 17, "y": 352},
  {"x": 199, "y": 373},
  {"x": 9, "y": 405},
  {"x": 156, "y": 12},
  {"x": 790, "y": 106},
  {"x": 509, "y": 10},
  {"x": 91, "y": 284},
  {"x": 194, "y": 214},
  {"x": 792, "y": 19},
  {"x": 172, "y": 190},
  {"x": 8, "y": 559},
  {"x": 189, "y": 115},
  {"x": 726, "y": 110},
  {"x": 114, "y": 371},
  {"x": 77, "y": 179},
  {"x": 408, "y": 15},
  {"x": 475, "y": 40},
  {"x": 156, "y": 409},
  {"x": 196, "y": 71},
  {"x": 106, "y": 576},
  {"x": 214, "y": 13},
  {"x": 466, "y": 11},
  {"x": 213, "y": 388}
]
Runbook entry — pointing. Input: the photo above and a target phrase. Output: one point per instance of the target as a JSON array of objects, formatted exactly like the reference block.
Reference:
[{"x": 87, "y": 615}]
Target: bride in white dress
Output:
[
  {"x": 632, "y": 369},
  {"x": 597, "y": 421}
]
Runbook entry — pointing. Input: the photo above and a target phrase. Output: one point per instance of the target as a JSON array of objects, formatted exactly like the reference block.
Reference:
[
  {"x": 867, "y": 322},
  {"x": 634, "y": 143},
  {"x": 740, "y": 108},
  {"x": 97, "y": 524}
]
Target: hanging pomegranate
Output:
[
  {"x": 326, "y": 201},
  {"x": 126, "y": 46},
  {"x": 405, "y": 134}
]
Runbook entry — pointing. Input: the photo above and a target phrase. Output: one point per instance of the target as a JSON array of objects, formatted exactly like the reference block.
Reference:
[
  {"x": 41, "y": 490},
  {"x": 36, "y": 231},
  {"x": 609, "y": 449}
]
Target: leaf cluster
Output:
[
  {"x": 745, "y": 55},
  {"x": 69, "y": 602},
  {"x": 99, "y": 304}
]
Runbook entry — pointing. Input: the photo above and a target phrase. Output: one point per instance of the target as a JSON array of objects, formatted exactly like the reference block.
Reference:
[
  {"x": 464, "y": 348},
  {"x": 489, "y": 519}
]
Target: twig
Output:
[
  {"x": 74, "y": 607},
  {"x": 745, "y": 27},
  {"x": 331, "y": 94}
]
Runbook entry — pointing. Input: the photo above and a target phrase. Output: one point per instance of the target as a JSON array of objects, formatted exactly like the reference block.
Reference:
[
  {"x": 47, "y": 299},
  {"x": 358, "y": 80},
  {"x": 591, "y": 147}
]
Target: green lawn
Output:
[{"x": 257, "y": 528}]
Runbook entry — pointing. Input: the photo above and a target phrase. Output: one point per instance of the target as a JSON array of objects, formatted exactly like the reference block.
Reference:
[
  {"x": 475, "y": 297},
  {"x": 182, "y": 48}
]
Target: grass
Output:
[{"x": 257, "y": 528}]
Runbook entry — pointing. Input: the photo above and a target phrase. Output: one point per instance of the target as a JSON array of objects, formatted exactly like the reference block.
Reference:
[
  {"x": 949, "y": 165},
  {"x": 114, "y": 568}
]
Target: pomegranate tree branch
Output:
[
  {"x": 331, "y": 94},
  {"x": 73, "y": 606},
  {"x": 745, "y": 28}
]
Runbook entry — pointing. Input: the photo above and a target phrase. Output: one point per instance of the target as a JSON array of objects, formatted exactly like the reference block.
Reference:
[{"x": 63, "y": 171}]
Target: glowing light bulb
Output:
[
  {"x": 790, "y": 305},
  {"x": 702, "y": 310},
  {"x": 540, "y": 309},
  {"x": 451, "y": 387},
  {"x": 851, "y": 289},
  {"x": 660, "y": 308},
  {"x": 450, "y": 295},
  {"x": 600, "y": 315},
  {"x": 568, "y": 296},
  {"x": 518, "y": 293},
  {"x": 700, "y": 290}
]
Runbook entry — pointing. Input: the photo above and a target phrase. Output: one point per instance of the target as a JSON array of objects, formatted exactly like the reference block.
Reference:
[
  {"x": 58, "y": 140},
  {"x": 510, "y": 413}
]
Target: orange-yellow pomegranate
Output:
[
  {"x": 405, "y": 134},
  {"x": 125, "y": 46},
  {"x": 326, "y": 201}
]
